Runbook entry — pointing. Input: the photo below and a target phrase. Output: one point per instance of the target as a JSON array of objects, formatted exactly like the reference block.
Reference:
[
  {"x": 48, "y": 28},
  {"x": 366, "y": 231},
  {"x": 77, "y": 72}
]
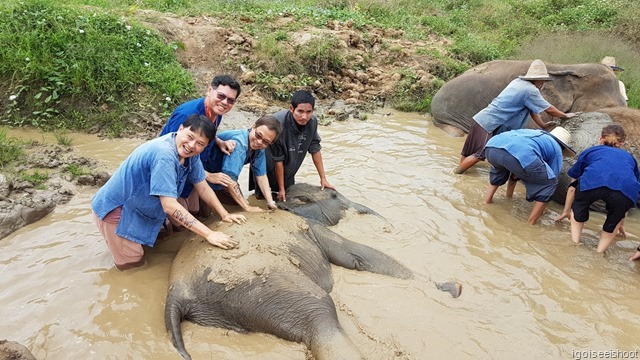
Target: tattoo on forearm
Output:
[
  {"x": 187, "y": 220},
  {"x": 238, "y": 192}
]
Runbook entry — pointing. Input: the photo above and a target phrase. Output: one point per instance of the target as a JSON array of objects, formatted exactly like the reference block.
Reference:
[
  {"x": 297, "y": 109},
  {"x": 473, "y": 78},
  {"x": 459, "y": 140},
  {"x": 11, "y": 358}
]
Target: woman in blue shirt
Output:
[{"x": 603, "y": 172}]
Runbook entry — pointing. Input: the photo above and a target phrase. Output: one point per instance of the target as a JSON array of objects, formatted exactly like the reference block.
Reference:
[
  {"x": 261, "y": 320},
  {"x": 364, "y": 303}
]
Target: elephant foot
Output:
[{"x": 453, "y": 288}]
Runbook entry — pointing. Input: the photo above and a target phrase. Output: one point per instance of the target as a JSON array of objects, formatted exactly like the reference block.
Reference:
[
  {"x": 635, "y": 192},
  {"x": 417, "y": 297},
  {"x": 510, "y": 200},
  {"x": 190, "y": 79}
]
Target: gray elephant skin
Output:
[
  {"x": 277, "y": 281},
  {"x": 575, "y": 87}
]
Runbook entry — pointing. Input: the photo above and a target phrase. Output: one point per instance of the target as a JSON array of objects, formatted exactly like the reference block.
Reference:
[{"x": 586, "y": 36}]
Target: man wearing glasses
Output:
[
  {"x": 250, "y": 149},
  {"x": 222, "y": 94}
]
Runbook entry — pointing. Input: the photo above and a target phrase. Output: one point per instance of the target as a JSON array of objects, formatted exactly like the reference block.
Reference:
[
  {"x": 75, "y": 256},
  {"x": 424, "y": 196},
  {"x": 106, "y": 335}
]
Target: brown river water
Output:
[{"x": 528, "y": 291}]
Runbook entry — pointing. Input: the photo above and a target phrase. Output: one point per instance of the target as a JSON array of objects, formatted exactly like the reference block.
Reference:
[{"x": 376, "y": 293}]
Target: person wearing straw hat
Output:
[
  {"x": 531, "y": 155},
  {"x": 603, "y": 172},
  {"x": 510, "y": 110},
  {"x": 610, "y": 61}
]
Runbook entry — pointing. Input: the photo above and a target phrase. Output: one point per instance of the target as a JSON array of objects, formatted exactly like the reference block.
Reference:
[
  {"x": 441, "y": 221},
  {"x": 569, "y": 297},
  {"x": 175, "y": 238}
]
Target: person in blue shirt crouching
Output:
[{"x": 603, "y": 172}]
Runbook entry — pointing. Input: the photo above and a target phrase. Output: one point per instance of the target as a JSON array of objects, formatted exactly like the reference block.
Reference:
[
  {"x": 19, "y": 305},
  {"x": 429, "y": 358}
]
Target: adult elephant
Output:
[
  {"x": 585, "y": 132},
  {"x": 277, "y": 281},
  {"x": 576, "y": 87}
]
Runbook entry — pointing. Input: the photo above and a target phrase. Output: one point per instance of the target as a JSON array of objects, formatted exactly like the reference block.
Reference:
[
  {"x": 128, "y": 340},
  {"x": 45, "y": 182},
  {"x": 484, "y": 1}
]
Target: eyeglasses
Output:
[
  {"x": 261, "y": 138},
  {"x": 222, "y": 96}
]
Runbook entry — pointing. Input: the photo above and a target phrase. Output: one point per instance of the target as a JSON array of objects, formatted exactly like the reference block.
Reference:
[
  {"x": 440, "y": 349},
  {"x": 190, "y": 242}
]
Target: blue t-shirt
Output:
[
  {"x": 179, "y": 115},
  {"x": 241, "y": 155},
  {"x": 510, "y": 109},
  {"x": 603, "y": 165},
  {"x": 152, "y": 170},
  {"x": 527, "y": 145}
]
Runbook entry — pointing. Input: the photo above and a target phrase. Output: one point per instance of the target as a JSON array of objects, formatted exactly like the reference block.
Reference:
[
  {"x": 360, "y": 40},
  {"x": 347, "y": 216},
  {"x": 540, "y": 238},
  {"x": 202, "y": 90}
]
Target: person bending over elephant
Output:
[
  {"x": 603, "y": 172},
  {"x": 132, "y": 206},
  {"x": 250, "y": 145},
  {"x": 508, "y": 111},
  {"x": 531, "y": 155},
  {"x": 299, "y": 137}
]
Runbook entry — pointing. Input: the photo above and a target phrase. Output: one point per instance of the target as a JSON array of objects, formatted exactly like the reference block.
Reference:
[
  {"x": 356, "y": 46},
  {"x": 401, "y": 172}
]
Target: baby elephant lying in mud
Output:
[{"x": 276, "y": 281}]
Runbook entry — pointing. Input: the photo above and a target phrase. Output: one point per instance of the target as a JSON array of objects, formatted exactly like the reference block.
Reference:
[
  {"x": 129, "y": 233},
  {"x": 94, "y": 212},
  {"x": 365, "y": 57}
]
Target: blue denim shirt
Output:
[
  {"x": 603, "y": 165},
  {"x": 510, "y": 109},
  {"x": 241, "y": 155},
  {"x": 527, "y": 145},
  {"x": 152, "y": 170},
  {"x": 179, "y": 115}
]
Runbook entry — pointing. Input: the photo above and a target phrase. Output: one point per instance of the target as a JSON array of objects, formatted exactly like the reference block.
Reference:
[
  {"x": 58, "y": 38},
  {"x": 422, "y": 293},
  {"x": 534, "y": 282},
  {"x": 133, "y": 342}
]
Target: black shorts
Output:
[{"x": 616, "y": 203}]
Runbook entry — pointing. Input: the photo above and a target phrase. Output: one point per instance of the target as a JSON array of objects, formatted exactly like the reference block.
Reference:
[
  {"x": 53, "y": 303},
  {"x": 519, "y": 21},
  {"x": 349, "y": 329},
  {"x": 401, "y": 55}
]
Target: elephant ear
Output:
[{"x": 351, "y": 255}]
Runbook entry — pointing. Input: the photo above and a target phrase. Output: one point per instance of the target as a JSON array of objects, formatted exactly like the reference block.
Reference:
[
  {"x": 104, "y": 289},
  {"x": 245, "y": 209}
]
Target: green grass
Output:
[
  {"x": 76, "y": 170},
  {"x": 11, "y": 149},
  {"x": 63, "y": 65},
  {"x": 36, "y": 178}
]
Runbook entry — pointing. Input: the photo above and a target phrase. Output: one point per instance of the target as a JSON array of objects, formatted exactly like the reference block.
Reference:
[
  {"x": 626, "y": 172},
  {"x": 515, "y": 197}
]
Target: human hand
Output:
[
  {"x": 219, "y": 178},
  {"x": 236, "y": 218},
  {"x": 227, "y": 146},
  {"x": 551, "y": 123},
  {"x": 621, "y": 232},
  {"x": 325, "y": 184},
  {"x": 254, "y": 209},
  {"x": 572, "y": 114},
  {"x": 282, "y": 196},
  {"x": 221, "y": 240},
  {"x": 563, "y": 216},
  {"x": 636, "y": 256},
  {"x": 272, "y": 205}
]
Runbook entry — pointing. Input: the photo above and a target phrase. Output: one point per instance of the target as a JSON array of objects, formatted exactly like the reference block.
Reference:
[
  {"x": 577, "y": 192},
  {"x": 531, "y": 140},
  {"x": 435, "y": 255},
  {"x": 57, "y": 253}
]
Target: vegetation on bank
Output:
[{"x": 87, "y": 64}]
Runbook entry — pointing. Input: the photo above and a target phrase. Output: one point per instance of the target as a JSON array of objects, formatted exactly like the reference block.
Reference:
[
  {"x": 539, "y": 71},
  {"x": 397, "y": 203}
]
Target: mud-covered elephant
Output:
[
  {"x": 575, "y": 87},
  {"x": 277, "y": 280},
  {"x": 11, "y": 350},
  {"x": 585, "y": 132}
]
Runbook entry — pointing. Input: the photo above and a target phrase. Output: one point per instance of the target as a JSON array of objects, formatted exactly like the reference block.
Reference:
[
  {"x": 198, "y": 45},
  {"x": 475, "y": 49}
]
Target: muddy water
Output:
[{"x": 528, "y": 292}]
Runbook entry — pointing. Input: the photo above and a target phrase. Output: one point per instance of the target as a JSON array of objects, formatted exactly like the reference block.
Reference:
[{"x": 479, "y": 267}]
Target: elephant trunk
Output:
[{"x": 173, "y": 316}]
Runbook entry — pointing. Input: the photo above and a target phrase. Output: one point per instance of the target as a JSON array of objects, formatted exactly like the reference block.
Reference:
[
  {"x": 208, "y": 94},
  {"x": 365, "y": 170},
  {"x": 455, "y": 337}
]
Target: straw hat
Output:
[
  {"x": 537, "y": 71},
  {"x": 610, "y": 61},
  {"x": 562, "y": 136}
]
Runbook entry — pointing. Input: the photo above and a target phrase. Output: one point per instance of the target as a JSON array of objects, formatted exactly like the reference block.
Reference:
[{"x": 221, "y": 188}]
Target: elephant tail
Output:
[{"x": 174, "y": 313}]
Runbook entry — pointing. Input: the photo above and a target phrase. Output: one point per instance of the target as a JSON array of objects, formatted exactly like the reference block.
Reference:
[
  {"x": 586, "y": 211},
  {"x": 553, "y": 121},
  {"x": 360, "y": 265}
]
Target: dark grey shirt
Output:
[{"x": 292, "y": 146}]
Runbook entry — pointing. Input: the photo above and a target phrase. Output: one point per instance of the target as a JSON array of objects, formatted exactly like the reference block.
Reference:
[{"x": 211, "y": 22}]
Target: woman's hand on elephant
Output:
[
  {"x": 254, "y": 209},
  {"x": 572, "y": 114},
  {"x": 564, "y": 215},
  {"x": 236, "y": 218},
  {"x": 221, "y": 240}
]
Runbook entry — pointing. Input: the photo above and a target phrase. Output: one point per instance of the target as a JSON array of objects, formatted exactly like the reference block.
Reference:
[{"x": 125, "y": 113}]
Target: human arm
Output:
[
  {"x": 226, "y": 146},
  {"x": 279, "y": 170},
  {"x": 566, "y": 211},
  {"x": 209, "y": 197},
  {"x": 263, "y": 184},
  {"x": 317, "y": 161},
  {"x": 538, "y": 120},
  {"x": 176, "y": 211},
  {"x": 219, "y": 178},
  {"x": 553, "y": 111},
  {"x": 236, "y": 194}
]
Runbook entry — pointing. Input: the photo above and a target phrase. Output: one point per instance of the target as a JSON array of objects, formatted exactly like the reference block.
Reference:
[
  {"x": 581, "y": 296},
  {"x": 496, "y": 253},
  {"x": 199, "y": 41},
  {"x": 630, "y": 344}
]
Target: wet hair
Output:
[
  {"x": 227, "y": 80},
  {"x": 302, "y": 97},
  {"x": 201, "y": 124},
  {"x": 613, "y": 135},
  {"x": 271, "y": 123}
]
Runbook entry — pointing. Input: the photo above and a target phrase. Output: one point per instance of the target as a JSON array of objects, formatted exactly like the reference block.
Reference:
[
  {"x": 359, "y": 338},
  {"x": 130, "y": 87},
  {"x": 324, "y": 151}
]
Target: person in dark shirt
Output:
[{"x": 299, "y": 136}]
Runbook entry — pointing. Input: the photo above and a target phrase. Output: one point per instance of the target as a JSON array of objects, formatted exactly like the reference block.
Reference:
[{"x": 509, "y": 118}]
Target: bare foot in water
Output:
[{"x": 636, "y": 256}]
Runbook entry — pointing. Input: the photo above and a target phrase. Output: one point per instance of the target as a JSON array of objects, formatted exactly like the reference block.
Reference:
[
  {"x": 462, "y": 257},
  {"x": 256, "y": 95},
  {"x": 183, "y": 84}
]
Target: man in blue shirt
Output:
[
  {"x": 132, "y": 206},
  {"x": 250, "y": 149},
  {"x": 533, "y": 156},
  {"x": 508, "y": 111},
  {"x": 222, "y": 94}
]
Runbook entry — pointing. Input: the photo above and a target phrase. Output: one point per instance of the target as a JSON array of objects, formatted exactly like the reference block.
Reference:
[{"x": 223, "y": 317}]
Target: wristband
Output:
[{"x": 272, "y": 202}]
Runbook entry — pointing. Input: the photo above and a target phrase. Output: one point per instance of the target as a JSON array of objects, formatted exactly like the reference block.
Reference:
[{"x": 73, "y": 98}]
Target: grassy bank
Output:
[{"x": 88, "y": 64}]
